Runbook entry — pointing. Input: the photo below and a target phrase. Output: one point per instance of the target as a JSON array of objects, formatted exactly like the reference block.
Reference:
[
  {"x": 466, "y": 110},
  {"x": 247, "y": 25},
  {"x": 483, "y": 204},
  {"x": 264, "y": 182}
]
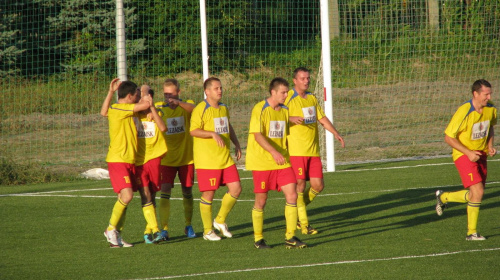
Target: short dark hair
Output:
[
  {"x": 278, "y": 81},
  {"x": 300, "y": 69},
  {"x": 208, "y": 82},
  {"x": 477, "y": 85},
  {"x": 126, "y": 88},
  {"x": 172, "y": 82}
]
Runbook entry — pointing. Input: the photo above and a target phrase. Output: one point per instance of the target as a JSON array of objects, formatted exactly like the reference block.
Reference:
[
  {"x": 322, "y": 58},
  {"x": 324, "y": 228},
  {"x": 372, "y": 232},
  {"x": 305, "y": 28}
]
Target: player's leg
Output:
[
  {"x": 206, "y": 215},
  {"x": 476, "y": 195},
  {"x": 231, "y": 179},
  {"x": 168, "y": 174},
  {"x": 258, "y": 220},
  {"x": 291, "y": 241},
  {"x": 316, "y": 186},
  {"x": 299, "y": 166},
  {"x": 186, "y": 176}
]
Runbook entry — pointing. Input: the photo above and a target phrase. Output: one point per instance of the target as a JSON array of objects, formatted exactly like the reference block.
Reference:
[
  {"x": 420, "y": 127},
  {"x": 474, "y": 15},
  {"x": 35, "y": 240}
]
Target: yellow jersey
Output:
[
  {"x": 273, "y": 125},
  {"x": 206, "y": 153},
  {"x": 122, "y": 133},
  {"x": 303, "y": 139},
  {"x": 471, "y": 128},
  {"x": 150, "y": 140},
  {"x": 179, "y": 141}
]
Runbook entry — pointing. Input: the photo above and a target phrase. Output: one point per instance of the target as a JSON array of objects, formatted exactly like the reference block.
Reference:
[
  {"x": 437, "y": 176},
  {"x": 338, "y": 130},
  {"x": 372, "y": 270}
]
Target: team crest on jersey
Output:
[
  {"x": 221, "y": 125},
  {"x": 145, "y": 129},
  {"x": 309, "y": 115},
  {"x": 480, "y": 130},
  {"x": 276, "y": 129},
  {"x": 175, "y": 125}
]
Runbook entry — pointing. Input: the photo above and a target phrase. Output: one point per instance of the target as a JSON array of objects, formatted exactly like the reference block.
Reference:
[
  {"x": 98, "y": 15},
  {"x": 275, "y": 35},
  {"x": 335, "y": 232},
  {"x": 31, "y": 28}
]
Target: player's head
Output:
[
  {"x": 278, "y": 88},
  {"x": 213, "y": 88},
  {"x": 301, "y": 79},
  {"x": 171, "y": 89},
  {"x": 127, "y": 88},
  {"x": 481, "y": 92}
]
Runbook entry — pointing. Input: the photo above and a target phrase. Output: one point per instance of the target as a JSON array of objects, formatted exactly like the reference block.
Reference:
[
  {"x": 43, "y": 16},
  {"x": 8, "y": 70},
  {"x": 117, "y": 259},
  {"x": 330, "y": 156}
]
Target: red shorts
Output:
[
  {"x": 307, "y": 167},
  {"x": 186, "y": 175},
  {"x": 211, "y": 179},
  {"x": 264, "y": 181},
  {"x": 122, "y": 176},
  {"x": 470, "y": 172},
  {"x": 149, "y": 173}
]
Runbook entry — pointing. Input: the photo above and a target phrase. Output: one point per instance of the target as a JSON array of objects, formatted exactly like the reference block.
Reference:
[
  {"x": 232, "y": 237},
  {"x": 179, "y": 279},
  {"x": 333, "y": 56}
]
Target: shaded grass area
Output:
[{"x": 375, "y": 220}]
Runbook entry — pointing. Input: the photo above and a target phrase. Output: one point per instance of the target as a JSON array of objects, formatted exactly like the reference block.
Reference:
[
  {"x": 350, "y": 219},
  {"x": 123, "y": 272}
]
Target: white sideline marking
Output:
[{"x": 321, "y": 264}]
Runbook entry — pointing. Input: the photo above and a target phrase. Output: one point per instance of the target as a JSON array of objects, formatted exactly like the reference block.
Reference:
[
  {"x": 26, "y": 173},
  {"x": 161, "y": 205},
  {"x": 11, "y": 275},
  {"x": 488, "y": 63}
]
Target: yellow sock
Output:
[
  {"x": 301, "y": 210},
  {"x": 164, "y": 212},
  {"x": 227, "y": 204},
  {"x": 258, "y": 223},
  {"x": 309, "y": 195},
  {"x": 117, "y": 214},
  {"x": 150, "y": 215},
  {"x": 291, "y": 220},
  {"x": 459, "y": 196},
  {"x": 121, "y": 222},
  {"x": 472, "y": 216},
  {"x": 206, "y": 215},
  {"x": 187, "y": 200}
]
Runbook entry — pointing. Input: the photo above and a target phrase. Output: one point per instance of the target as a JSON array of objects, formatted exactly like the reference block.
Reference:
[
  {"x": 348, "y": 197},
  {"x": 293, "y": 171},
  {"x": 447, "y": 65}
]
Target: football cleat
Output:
[
  {"x": 309, "y": 230},
  {"x": 148, "y": 238},
  {"x": 261, "y": 244},
  {"x": 112, "y": 238},
  {"x": 157, "y": 237},
  {"x": 122, "y": 242},
  {"x": 189, "y": 231},
  {"x": 222, "y": 228},
  {"x": 475, "y": 237},
  {"x": 211, "y": 236},
  {"x": 164, "y": 235},
  {"x": 439, "y": 205},
  {"x": 294, "y": 243}
]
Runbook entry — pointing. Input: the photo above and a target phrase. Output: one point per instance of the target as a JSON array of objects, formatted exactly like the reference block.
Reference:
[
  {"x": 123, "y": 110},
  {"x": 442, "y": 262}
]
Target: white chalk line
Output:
[{"x": 321, "y": 264}]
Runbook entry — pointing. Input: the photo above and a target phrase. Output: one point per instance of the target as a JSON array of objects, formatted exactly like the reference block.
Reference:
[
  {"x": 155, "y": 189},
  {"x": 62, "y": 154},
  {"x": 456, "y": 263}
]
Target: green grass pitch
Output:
[{"x": 375, "y": 220}]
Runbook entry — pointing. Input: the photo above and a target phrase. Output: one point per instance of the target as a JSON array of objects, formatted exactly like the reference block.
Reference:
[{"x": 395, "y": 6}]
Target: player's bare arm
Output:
[
  {"x": 327, "y": 124},
  {"x": 200, "y": 133},
  {"x": 234, "y": 139},
  {"x": 184, "y": 105},
  {"x": 158, "y": 120},
  {"x": 491, "y": 150},
  {"x": 296, "y": 119},
  {"x": 277, "y": 156},
  {"x": 454, "y": 143},
  {"x": 113, "y": 86},
  {"x": 145, "y": 103}
]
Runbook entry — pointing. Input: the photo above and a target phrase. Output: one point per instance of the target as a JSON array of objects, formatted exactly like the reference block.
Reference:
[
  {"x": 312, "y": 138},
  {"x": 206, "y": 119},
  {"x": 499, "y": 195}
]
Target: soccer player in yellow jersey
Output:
[
  {"x": 470, "y": 134},
  {"x": 122, "y": 151},
  {"x": 179, "y": 158},
  {"x": 212, "y": 134},
  {"x": 268, "y": 158},
  {"x": 150, "y": 150},
  {"x": 303, "y": 143}
]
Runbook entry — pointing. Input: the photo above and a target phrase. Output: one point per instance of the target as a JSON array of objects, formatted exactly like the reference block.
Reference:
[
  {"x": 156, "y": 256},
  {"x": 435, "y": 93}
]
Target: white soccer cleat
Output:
[
  {"x": 122, "y": 242},
  {"x": 222, "y": 228},
  {"x": 112, "y": 238},
  {"x": 475, "y": 237},
  {"x": 211, "y": 236},
  {"x": 439, "y": 205}
]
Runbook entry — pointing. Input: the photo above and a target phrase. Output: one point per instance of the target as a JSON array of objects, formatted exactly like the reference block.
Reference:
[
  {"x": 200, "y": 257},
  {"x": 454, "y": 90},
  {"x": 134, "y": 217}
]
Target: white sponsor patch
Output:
[
  {"x": 221, "y": 125},
  {"x": 480, "y": 130},
  {"x": 145, "y": 129},
  {"x": 276, "y": 129},
  {"x": 309, "y": 114},
  {"x": 175, "y": 125}
]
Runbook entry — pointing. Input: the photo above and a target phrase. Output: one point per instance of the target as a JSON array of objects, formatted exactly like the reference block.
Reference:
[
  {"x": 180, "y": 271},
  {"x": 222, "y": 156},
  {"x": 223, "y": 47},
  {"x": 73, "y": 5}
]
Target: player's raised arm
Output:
[{"x": 113, "y": 86}]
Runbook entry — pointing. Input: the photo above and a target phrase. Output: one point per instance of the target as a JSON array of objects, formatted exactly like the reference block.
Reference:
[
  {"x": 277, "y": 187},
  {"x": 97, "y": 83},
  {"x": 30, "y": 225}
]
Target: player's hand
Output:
[
  {"x": 340, "y": 139},
  {"x": 492, "y": 151},
  {"x": 474, "y": 156},
  {"x": 115, "y": 83},
  {"x": 296, "y": 120},
  {"x": 278, "y": 158},
  {"x": 237, "y": 153},
  {"x": 173, "y": 101},
  {"x": 219, "y": 140}
]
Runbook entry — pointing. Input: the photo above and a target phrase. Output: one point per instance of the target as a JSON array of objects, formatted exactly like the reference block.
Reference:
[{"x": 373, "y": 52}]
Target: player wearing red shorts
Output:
[
  {"x": 212, "y": 134},
  {"x": 179, "y": 158},
  {"x": 303, "y": 143},
  {"x": 151, "y": 148},
  {"x": 470, "y": 134},
  {"x": 268, "y": 158},
  {"x": 122, "y": 151}
]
